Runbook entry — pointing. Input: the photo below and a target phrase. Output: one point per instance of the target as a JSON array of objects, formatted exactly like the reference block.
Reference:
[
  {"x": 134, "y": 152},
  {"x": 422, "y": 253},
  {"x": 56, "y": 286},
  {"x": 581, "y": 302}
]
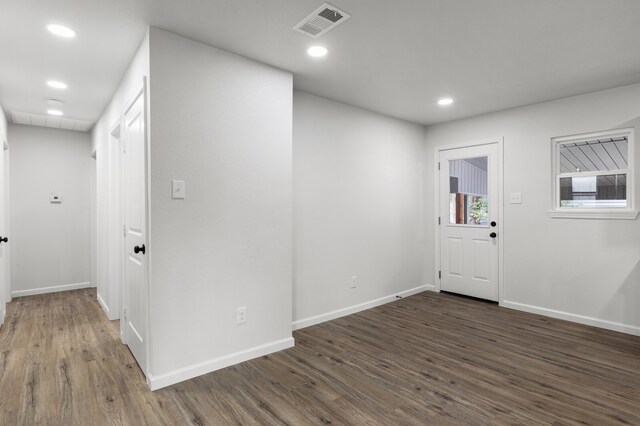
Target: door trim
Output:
[
  {"x": 436, "y": 207},
  {"x": 116, "y": 242},
  {"x": 141, "y": 91}
]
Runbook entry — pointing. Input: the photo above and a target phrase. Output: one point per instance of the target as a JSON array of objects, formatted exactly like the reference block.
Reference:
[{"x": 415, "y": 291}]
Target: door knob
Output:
[
  {"x": 493, "y": 223},
  {"x": 138, "y": 249},
  {"x": 492, "y": 235},
  {"x": 4, "y": 240}
]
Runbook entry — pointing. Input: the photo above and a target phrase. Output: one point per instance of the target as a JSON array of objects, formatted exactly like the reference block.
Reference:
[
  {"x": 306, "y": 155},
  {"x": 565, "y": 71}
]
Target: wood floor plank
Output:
[{"x": 429, "y": 359}]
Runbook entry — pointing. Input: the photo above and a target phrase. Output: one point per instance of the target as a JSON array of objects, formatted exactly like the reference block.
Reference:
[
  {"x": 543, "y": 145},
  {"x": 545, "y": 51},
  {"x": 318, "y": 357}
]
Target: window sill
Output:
[{"x": 588, "y": 214}]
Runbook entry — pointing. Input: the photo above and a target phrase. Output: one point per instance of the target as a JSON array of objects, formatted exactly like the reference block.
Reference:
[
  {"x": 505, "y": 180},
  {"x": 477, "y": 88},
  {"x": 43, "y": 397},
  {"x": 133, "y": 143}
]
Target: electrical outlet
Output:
[
  {"x": 354, "y": 283},
  {"x": 241, "y": 315}
]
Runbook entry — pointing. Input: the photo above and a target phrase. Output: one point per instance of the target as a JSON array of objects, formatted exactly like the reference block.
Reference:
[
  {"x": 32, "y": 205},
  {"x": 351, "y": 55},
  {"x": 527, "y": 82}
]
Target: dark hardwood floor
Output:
[{"x": 430, "y": 359}]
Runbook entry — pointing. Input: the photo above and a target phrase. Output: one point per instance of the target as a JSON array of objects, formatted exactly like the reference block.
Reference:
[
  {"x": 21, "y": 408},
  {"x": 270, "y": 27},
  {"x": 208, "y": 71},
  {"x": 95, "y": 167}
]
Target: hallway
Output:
[{"x": 63, "y": 363}]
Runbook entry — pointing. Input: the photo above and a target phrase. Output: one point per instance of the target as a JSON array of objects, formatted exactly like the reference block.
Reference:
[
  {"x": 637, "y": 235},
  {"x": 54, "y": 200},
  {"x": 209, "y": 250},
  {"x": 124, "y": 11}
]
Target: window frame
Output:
[{"x": 557, "y": 211}]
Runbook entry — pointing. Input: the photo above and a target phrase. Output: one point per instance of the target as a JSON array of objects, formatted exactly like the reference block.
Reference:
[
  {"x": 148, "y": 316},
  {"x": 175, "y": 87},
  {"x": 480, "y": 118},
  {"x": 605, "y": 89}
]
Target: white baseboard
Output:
[
  {"x": 581, "y": 319},
  {"x": 3, "y": 314},
  {"x": 190, "y": 372},
  {"x": 308, "y": 322},
  {"x": 52, "y": 289},
  {"x": 429, "y": 287},
  {"x": 104, "y": 306}
]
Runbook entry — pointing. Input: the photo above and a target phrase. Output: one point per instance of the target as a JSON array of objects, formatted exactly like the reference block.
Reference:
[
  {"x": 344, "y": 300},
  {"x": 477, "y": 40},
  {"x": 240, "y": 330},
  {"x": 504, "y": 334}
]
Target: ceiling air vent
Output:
[{"x": 323, "y": 19}]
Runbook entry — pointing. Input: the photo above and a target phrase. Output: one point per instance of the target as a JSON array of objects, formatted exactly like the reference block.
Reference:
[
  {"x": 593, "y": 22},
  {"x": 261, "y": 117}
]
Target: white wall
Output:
[
  {"x": 108, "y": 233},
  {"x": 50, "y": 242},
  {"x": 357, "y": 179},
  {"x": 223, "y": 124},
  {"x": 3, "y": 123},
  {"x": 583, "y": 270}
]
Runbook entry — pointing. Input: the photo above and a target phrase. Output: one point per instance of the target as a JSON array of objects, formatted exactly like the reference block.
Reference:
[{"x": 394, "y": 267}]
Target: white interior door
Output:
[
  {"x": 6, "y": 252},
  {"x": 3, "y": 233},
  {"x": 135, "y": 291},
  {"x": 469, "y": 214}
]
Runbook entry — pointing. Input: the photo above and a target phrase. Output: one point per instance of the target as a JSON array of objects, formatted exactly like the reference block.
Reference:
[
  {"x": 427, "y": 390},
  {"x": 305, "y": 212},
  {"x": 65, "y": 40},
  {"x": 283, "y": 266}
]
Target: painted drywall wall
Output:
[
  {"x": 108, "y": 223},
  {"x": 357, "y": 179},
  {"x": 580, "y": 269},
  {"x": 222, "y": 123},
  {"x": 3, "y": 123},
  {"x": 4, "y": 225},
  {"x": 50, "y": 241}
]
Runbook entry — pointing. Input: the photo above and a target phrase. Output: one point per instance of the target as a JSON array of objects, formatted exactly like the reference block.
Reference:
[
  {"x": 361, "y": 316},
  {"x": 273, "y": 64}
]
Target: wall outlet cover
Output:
[{"x": 241, "y": 315}]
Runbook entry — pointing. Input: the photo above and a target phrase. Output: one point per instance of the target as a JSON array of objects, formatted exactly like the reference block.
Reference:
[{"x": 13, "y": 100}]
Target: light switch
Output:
[
  {"x": 515, "y": 198},
  {"x": 54, "y": 198},
  {"x": 177, "y": 189}
]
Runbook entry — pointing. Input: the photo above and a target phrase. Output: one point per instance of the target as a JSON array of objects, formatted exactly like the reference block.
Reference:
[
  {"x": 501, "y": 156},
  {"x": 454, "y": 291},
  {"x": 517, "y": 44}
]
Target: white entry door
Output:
[
  {"x": 135, "y": 291},
  {"x": 469, "y": 216}
]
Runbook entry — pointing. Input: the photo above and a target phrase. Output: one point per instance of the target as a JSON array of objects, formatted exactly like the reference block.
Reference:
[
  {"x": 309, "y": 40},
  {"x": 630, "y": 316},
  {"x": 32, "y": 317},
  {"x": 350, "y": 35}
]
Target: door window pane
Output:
[{"x": 468, "y": 195}]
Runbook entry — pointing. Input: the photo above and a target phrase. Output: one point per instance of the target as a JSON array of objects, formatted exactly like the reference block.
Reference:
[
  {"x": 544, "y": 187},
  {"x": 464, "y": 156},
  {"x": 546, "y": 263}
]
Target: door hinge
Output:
[
  {"x": 438, "y": 220},
  {"x": 438, "y": 165},
  {"x": 124, "y": 146},
  {"x": 124, "y": 313},
  {"x": 124, "y": 230},
  {"x": 440, "y": 275}
]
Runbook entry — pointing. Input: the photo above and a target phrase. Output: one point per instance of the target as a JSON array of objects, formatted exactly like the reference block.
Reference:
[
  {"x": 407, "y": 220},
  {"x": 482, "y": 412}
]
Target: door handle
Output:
[
  {"x": 492, "y": 235},
  {"x": 138, "y": 249},
  {"x": 4, "y": 240}
]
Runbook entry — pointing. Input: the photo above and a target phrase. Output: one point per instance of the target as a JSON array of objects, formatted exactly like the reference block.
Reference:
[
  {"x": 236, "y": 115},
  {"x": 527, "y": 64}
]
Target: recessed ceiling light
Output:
[
  {"x": 54, "y": 112},
  {"x": 317, "y": 51},
  {"x": 445, "y": 101},
  {"x": 61, "y": 31},
  {"x": 56, "y": 84}
]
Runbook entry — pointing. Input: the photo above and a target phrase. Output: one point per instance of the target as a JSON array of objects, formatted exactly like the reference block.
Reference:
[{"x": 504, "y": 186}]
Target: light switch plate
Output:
[
  {"x": 515, "y": 198},
  {"x": 54, "y": 198},
  {"x": 177, "y": 189}
]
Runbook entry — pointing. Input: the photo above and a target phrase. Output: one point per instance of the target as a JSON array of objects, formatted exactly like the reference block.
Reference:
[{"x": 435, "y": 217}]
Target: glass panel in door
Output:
[{"x": 468, "y": 192}]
